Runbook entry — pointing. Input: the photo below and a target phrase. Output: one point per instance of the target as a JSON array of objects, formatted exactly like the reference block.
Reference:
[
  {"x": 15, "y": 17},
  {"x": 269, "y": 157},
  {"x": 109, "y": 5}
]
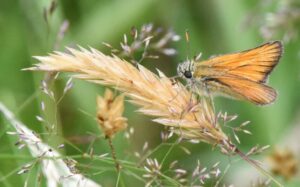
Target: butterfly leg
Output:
[{"x": 206, "y": 100}]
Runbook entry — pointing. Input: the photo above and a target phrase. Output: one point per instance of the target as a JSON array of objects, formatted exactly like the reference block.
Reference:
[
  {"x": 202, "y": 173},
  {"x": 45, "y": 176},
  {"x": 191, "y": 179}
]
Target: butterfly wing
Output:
[
  {"x": 244, "y": 73},
  {"x": 256, "y": 93}
]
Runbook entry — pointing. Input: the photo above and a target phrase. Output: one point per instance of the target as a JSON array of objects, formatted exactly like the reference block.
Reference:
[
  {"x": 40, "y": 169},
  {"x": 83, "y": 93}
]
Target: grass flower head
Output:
[
  {"x": 156, "y": 95},
  {"x": 109, "y": 113}
]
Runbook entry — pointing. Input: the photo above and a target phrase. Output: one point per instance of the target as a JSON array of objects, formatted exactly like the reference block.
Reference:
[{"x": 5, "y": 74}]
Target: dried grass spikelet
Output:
[
  {"x": 109, "y": 113},
  {"x": 171, "y": 105},
  {"x": 283, "y": 162}
]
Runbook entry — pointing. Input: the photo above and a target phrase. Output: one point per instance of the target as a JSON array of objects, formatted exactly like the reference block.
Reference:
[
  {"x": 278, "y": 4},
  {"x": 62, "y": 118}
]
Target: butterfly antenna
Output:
[
  {"x": 188, "y": 51},
  {"x": 187, "y": 39}
]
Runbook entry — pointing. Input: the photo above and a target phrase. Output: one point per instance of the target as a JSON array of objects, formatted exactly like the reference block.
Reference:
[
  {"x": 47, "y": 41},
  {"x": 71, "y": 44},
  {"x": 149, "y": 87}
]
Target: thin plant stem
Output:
[
  {"x": 119, "y": 176},
  {"x": 168, "y": 152},
  {"x": 113, "y": 153},
  {"x": 150, "y": 153},
  {"x": 28, "y": 101},
  {"x": 224, "y": 173},
  {"x": 259, "y": 168}
]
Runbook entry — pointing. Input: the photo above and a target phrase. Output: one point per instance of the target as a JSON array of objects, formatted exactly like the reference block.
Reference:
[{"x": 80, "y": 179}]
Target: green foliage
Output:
[{"x": 29, "y": 28}]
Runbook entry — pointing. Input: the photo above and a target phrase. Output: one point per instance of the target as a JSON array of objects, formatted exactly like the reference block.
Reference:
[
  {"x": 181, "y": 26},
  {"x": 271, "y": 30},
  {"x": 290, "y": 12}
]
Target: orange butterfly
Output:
[{"x": 241, "y": 75}]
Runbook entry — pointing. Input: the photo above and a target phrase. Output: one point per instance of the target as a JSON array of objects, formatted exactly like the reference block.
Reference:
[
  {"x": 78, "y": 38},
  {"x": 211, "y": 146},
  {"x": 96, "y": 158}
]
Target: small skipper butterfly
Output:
[{"x": 241, "y": 75}]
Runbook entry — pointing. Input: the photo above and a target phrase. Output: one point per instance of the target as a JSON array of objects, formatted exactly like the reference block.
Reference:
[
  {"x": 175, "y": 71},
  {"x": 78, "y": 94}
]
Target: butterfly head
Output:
[{"x": 186, "y": 69}]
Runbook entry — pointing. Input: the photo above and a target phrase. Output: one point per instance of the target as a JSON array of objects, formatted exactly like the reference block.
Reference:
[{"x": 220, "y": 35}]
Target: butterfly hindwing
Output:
[{"x": 256, "y": 93}]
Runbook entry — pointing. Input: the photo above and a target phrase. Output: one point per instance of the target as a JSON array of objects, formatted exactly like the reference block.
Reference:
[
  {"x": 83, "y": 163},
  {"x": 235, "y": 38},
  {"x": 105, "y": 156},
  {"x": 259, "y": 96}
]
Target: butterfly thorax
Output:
[
  {"x": 195, "y": 76},
  {"x": 186, "y": 69},
  {"x": 200, "y": 78},
  {"x": 196, "y": 71}
]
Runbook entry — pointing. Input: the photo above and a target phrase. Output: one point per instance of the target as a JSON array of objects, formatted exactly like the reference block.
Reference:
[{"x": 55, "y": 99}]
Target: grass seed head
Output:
[
  {"x": 109, "y": 113},
  {"x": 170, "y": 104}
]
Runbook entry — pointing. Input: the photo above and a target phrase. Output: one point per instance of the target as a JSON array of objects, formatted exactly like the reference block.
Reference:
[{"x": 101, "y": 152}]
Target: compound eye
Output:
[{"x": 188, "y": 74}]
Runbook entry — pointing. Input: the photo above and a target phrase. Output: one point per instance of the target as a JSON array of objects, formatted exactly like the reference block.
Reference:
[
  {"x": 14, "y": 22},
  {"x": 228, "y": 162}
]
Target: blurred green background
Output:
[{"x": 215, "y": 27}]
